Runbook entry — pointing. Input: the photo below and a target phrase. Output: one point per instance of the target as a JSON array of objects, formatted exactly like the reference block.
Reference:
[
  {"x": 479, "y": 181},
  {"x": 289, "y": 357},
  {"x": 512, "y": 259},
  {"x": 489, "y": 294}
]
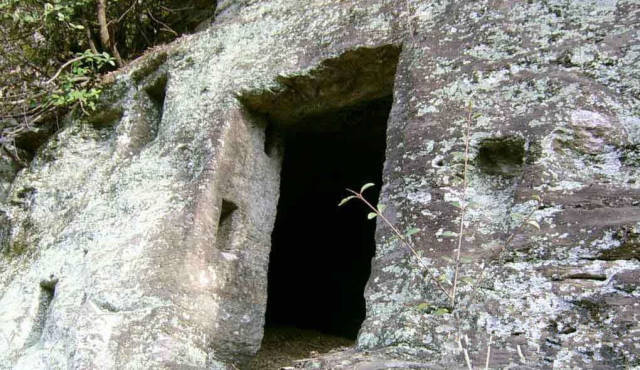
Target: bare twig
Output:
[
  {"x": 16, "y": 158},
  {"x": 169, "y": 10},
  {"x": 467, "y": 360},
  {"x": 452, "y": 293},
  {"x": 39, "y": 109},
  {"x": 68, "y": 63},
  {"x": 169, "y": 29},
  {"x": 486, "y": 364},
  {"x": 26, "y": 98},
  {"x": 402, "y": 239},
  {"x": 462, "y": 205},
  {"x": 125, "y": 13},
  {"x": 522, "y": 358}
]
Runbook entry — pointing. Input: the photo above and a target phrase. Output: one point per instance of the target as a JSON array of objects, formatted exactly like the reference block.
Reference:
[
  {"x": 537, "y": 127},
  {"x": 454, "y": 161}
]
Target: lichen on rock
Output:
[{"x": 108, "y": 230}]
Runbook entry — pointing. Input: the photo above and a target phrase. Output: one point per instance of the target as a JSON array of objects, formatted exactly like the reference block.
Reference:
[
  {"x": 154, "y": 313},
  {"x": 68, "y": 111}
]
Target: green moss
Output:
[
  {"x": 628, "y": 249},
  {"x": 149, "y": 65},
  {"x": 157, "y": 90},
  {"x": 18, "y": 245},
  {"x": 594, "y": 309},
  {"x": 106, "y": 117}
]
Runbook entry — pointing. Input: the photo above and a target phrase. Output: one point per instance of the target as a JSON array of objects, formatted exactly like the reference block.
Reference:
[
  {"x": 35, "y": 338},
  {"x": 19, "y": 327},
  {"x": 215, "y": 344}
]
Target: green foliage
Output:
[
  {"x": 70, "y": 95},
  {"x": 366, "y": 186},
  {"x": 345, "y": 200},
  {"x": 433, "y": 310},
  {"x": 534, "y": 223},
  {"x": 411, "y": 231},
  {"x": 75, "y": 84},
  {"x": 52, "y": 56},
  {"x": 466, "y": 259},
  {"x": 445, "y": 282},
  {"x": 441, "y": 311}
]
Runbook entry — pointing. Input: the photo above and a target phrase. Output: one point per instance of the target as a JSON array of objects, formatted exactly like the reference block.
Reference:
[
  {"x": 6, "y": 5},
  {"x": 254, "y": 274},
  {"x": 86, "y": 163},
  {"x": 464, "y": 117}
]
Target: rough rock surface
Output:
[{"x": 139, "y": 237}]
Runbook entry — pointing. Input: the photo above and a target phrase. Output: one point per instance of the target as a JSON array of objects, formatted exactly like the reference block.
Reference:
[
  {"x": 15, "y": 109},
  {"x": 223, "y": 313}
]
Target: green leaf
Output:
[
  {"x": 441, "y": 311},
  {"x": 467, "y": 280},
  {"x": 466, "y": 259},
  {"x": 449, "y": 234},
  {"x": 448, "y": 259},
  {"x": 411, "y": 231},
  {"x": 477, "y": 115},
  {"x": 536, "y": 197},
  {"x": 381, "y": 207},
  {"x": 366, "y": 186},
  {"x": 372, "y": 215},
  {"x": 456, "y": 204},
  {"x": 345, "y": 200},
  {"x": 474, "y": 205},
  {"x": 534, "y": 223},
  {"x": 423, "y": 306}
]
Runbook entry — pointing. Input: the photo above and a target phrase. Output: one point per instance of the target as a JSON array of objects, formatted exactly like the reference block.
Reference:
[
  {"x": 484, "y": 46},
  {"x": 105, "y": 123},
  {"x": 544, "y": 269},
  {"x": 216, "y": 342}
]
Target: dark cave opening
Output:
[{"x": 321, "y": 254}]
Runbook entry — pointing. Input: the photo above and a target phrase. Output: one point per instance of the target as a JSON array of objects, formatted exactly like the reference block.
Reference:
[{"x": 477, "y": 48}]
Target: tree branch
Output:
[
  {"x": 167, "y": 28},
  {"x": 69, "y": 62},
  {"x": 125, "y": 13}
]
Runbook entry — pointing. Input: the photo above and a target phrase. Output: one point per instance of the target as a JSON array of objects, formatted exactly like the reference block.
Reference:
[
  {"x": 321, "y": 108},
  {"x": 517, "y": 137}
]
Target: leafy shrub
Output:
[{"x": 52, "y": 52}]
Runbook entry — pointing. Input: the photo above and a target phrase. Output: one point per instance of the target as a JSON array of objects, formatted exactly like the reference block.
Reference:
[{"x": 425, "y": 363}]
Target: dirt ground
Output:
[{"x": 281, "y": 346}]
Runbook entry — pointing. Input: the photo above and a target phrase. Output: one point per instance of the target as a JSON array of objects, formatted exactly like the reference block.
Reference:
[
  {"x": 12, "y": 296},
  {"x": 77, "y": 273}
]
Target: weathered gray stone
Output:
[{"x": 139, "y": 237}]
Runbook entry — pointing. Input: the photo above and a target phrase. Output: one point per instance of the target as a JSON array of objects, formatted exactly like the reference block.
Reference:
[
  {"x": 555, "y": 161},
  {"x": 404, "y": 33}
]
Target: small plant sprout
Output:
[
  {"x": 404, "y": 237},
  {"x": 450, "y": 288}
]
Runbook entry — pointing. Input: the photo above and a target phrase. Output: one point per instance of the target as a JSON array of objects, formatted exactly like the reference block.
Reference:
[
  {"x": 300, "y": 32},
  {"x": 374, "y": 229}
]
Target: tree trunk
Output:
[
  {"x": 92, "y": 45},
  {"x": 105, "y": 38}
]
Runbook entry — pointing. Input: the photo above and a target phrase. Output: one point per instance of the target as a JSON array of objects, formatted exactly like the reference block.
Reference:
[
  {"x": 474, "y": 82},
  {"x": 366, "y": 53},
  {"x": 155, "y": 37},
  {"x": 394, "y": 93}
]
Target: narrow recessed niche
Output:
[
  {"x": 269, "y": 139},
  {"x": 47, "y": 293},
  {"x": 157, "y": 92},
  {"x": 501, "y": 156},
  {"x": 106, "y": 118},
  {"x": 226, "y": 225}
]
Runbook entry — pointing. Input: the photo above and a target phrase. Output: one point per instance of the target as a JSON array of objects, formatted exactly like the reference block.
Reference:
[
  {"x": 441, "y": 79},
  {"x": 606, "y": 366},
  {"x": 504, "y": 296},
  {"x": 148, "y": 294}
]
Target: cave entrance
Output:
[
  {"x": 329, "y": 124},
  {"x": 321, "y": 253}
]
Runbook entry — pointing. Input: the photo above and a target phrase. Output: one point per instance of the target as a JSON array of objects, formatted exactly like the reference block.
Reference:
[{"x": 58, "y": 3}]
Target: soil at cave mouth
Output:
[{"x": 282, "y": 346}]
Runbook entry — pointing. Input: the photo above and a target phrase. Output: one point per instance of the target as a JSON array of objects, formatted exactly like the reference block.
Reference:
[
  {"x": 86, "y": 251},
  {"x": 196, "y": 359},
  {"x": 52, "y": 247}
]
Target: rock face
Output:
[{"x": 140, "y": 237}]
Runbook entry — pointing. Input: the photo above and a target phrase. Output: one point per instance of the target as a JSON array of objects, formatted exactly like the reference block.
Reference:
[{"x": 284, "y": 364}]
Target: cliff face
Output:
[{"x": 140, "y": 237}]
